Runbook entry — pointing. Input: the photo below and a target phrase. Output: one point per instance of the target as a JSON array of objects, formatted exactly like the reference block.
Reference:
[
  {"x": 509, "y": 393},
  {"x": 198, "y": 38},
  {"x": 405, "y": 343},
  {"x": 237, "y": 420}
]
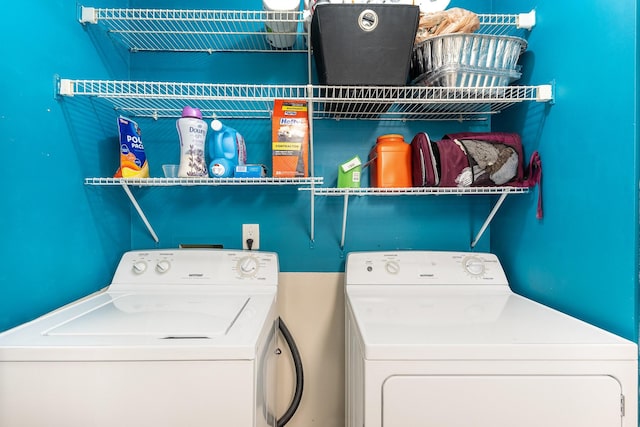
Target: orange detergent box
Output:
[{"x": 290, "y": 139}]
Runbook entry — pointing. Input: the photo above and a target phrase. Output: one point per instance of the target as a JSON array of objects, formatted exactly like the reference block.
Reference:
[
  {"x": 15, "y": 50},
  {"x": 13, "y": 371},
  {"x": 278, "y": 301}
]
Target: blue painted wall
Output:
[
  {"x": 62, "y": 239},
  {"x": 58, "y": 240},
  {"x": 582, "y": 257}
]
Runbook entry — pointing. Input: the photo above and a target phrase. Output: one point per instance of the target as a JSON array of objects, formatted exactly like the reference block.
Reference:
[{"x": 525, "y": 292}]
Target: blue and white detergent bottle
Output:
[{"x": 227, "y": 150}]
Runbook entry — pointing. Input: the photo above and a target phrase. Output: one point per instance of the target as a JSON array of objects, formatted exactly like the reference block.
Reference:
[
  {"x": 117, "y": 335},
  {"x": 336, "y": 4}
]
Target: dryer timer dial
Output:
[
  {"x": 473, "y": 265},
  {"x": 392, "y": 267},
  {"x": 247, "y": 266}
]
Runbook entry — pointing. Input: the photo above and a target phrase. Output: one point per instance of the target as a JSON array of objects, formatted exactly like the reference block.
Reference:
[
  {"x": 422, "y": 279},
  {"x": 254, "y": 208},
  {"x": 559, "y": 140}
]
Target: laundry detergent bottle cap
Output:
[
  {"x": 192, "y": 131},
  {"x": 390, "y": 139},
  {"x": 227, "y": 150},
  {"x": 188, "y": 111},
  {"x": 216, "y": 125}
]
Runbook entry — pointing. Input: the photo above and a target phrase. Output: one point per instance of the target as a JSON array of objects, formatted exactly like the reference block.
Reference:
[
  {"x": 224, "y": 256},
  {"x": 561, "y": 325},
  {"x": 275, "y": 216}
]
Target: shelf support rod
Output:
[
  {"x": 313, "y": 213},
  {"x": 135, "y": 204},
  {"x": 489, "y": 218},
  {"x": 344, "y": 220},
  {"x": 311, "y": 157}
]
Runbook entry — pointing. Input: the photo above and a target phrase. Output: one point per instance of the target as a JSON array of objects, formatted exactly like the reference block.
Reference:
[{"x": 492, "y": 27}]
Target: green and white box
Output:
[{"x": 349, "y": 173}]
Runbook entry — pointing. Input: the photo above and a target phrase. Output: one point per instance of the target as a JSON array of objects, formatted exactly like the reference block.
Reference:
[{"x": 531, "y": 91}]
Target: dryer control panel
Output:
[
  {"x": 197, "y": 267},
  {"x": 423, "y": 268}
]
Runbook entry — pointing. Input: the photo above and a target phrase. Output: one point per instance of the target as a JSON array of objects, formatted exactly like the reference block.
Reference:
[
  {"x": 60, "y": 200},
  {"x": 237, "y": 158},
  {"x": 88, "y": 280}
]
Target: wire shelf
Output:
[
  {"x": 507, "y": 24},
  {"x": 415, "y": 191},
  {"x": 245, "y": 31},
  {"x": 166, "y": 99},
  {"x": 195, "y": 30},
  {"x": 421, "y": 102},
  {"x": 182, "y": 30},
  {"x": 167, "y": 182}
]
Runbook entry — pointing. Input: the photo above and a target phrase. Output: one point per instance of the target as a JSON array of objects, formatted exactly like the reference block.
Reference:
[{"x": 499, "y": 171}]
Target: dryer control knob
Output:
[
  {"x": 247, "y": 266},
  {"x": 473, "y": 265},
  {"x": 163, "y": 266},
  {"x": 392, "y": 267},
  {"x": 139, "y": 267}
]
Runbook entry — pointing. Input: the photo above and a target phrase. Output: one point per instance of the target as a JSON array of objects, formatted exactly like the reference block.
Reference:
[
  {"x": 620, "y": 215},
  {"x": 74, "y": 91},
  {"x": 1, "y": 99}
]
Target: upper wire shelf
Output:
[
  {"x": 182, "y": 30},
  {"x": 166, "y": 99},
  {"x": 507, "y": 24},
  {"x": 195, "y": 30}
]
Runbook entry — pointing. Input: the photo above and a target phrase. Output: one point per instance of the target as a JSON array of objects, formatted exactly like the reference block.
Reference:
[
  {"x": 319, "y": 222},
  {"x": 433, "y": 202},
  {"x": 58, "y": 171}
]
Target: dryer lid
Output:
[{"x": 423, "y": 324}]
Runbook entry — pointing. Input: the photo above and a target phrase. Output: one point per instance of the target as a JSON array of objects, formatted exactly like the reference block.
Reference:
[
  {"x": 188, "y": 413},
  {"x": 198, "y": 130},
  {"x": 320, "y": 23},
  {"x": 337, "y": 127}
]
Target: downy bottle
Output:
[{"x": 193, "y": 135}]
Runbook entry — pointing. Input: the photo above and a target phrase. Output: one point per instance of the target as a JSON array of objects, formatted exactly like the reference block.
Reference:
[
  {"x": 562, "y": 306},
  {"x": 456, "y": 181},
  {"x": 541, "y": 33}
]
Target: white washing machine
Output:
[
  {"x": 180, "y": 338},
  {"x": 439, "y": 339}
]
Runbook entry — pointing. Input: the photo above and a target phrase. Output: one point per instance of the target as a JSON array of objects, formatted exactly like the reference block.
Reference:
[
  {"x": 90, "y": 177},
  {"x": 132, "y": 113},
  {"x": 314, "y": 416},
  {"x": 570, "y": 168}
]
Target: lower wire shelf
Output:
[
  {"x": 414, "y": 191},
  {"x": 503, "y": 192},
  {"x": 309, "y": 184},
  {"x": 166, "y": 182}
]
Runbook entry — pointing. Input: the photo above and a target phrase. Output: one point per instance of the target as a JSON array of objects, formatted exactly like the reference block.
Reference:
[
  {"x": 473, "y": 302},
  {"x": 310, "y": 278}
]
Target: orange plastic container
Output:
[{"x": 390, "y": 162}]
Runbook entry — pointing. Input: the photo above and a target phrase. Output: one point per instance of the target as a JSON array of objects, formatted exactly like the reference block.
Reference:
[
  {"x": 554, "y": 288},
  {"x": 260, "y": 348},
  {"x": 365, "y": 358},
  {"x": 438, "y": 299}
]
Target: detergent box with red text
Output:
[{"x": 290, "y": 139}]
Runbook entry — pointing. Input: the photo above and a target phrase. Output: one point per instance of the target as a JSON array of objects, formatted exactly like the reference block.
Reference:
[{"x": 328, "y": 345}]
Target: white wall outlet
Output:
[{"x": 251, "y": 232}]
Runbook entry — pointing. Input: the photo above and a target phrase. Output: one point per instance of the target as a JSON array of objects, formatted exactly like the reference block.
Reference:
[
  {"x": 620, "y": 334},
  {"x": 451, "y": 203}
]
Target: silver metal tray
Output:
[{"x": 457, "y": 54}]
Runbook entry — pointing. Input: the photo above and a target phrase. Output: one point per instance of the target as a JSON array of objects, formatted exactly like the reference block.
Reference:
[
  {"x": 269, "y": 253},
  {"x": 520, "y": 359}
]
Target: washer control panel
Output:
[
  {"x": 197, "y": 266},
  {"x": 424, "y": 267}
]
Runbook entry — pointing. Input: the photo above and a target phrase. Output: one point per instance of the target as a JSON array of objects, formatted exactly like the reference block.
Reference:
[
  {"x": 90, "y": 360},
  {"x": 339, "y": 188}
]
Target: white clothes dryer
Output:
[
  {"x": 439, "y": 339},
  {"x": 179, "y": 338}
]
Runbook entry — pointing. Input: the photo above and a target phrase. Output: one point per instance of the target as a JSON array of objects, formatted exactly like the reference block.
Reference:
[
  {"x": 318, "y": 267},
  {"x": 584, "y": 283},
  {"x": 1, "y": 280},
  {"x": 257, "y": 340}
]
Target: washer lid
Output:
[
  {"x": 162, "y": 316},
  {"x": 147, "y": 326},
  {"x": 406, "y": 323}
]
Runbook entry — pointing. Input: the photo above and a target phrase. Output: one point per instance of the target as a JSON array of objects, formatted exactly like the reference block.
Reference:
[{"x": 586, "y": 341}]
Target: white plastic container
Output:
[
  {"x": 193, "y": 134},
  {"x": 282, "y": 22}
]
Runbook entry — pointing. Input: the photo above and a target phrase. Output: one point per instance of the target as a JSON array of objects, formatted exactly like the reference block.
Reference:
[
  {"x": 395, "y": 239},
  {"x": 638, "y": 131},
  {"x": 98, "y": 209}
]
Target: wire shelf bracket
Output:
[
  {"x": 125, "y": 183},
  {"x": 136, "y": 205}
]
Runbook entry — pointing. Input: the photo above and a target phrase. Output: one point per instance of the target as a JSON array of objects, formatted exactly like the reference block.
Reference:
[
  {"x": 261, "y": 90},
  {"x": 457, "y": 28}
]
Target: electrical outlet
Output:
[{"x": 251, "y": 231}]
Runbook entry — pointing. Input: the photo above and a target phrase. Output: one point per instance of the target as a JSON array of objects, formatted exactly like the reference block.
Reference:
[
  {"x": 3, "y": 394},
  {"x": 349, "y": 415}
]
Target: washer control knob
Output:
[
  {"x": 248, "y": 266},
  {"x": 392, "y": 267},
  {"x": 163, "y": 266},
  {"x": 473, "y": 265},
  {"x": 139, "y": 267}
]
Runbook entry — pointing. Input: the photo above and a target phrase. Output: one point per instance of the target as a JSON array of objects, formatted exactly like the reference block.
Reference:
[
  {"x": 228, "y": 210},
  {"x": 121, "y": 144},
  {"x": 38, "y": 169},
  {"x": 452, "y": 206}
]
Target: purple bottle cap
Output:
[{"x": 191, "y": 112}]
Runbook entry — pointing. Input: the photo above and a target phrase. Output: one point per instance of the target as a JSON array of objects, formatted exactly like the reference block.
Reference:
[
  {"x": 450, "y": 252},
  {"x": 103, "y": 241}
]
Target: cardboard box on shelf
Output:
[{"x": 290, "y": 139}]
